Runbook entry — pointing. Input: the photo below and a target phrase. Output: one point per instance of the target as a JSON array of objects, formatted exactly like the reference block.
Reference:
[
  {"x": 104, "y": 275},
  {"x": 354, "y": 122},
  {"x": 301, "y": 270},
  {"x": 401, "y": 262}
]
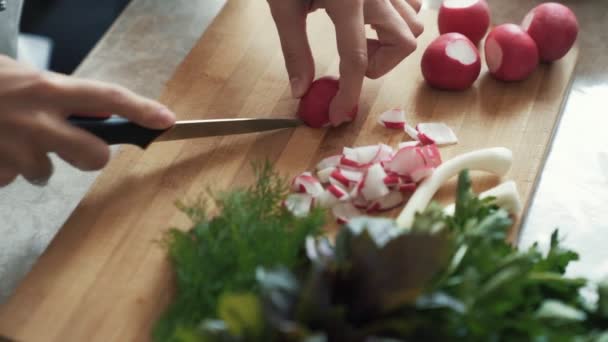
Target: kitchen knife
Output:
[{"x": 118, "y": 130}]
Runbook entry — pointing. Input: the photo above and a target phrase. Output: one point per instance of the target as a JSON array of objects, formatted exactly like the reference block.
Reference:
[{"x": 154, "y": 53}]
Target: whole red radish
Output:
[
  {"x": 511, "y": 54},
  {"x": 469, "y": 17},
  {"x": 314, "y": 105},
  {"x": 451, "y": 62},
  {"x": 554, "y": 28}
]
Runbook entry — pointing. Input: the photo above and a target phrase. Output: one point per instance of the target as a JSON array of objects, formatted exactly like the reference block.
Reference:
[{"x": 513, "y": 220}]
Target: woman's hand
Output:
[
  {"x": 34, "y": 107},
  {"x": 394, "y": 21}
]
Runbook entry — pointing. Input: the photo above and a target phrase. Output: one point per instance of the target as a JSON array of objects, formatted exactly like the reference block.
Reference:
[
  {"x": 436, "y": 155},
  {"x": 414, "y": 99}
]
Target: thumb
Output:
[{"x": 290, "y": 19}]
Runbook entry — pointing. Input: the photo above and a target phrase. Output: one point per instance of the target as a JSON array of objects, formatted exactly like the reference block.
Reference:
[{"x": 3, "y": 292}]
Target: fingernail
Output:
[
  {"x": 298, "y": 87},
  {"x": 40, "y": 182},
  {"x": 166, "y": 116}
]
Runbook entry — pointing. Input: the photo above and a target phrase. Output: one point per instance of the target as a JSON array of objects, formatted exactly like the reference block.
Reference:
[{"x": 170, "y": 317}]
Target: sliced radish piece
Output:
[
  {"x": 324, "y": 174},
  {"x": 350, "y": 158},
  {"x": 421, "y": 173},
  {"x": 372, "y": 186},
  {"x": 495, "y": 160},
  {"x": 392, "y": 181},
  {"x": 411, "y": 132},
  {"x": 326, "y": 200},
  {"x": 407, "y": 188},
  {"x": 405, "y": 161},
  {"x": 299, "y": 204},
  {"x": 437, "y": 132},
  {"x": 409, "y": 144},
  {"x": 385, "y": 153},
  {"x": 360, "y": 203},
  {"x": 344, "y": 212},
  {"x": 332, "y": 161},
  {"x": 307, "y": 183},
  {"x": 367, "y": 154},
  {"x": 338, "y": 192},
  {"x": 431, "y": 155},
  {"x": 393, "y": 119},
  {"x": 425, "y": 139},
  {"x": 390, "y": 201}
]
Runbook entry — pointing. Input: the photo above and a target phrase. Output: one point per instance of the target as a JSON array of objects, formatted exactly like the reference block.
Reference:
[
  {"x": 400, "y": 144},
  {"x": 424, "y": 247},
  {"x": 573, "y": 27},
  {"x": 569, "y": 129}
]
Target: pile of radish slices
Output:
[
  {"x": 366, "y": 179},
  {"x": 436, "y": 133}
]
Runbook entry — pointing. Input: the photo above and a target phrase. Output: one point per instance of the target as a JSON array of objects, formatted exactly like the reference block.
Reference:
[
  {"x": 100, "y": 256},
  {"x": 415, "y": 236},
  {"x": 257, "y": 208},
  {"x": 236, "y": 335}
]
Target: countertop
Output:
[{"x": 151, "y": 37}]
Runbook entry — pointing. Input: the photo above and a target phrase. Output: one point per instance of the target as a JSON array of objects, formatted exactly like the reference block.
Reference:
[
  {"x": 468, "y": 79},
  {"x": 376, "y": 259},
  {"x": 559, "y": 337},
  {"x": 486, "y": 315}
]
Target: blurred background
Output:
[{"x": 59, "y": 34}]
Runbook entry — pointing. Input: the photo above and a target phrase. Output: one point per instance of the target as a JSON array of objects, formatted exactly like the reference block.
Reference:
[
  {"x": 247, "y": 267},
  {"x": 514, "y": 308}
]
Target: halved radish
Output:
[
  {"x": 393, "y": 119},
  {"x": 437, "y": 132},
  {"x": 344, "y": 212},
  {"x": 469, "y": 17},
  {"x": 329, "y": 162},
  {"x": 307, "y": 183},
  {"x": 324, "y": 174},
  {"x": 409, "y": 144},
  {"x": 372, "y": 186},
  {"x": 451, "y": 62},
  {"x": 314, "y": 105},
  {"x": 299, "y": 204},
  {"x": 411, "y": 132},
  {"x": 511, "y": 53},
  {"x": 405, "y": 161},
  {"x": 554, "y": 28},
  {"x": 421, "y": 173},
  {"x": 431, "y": 155}
]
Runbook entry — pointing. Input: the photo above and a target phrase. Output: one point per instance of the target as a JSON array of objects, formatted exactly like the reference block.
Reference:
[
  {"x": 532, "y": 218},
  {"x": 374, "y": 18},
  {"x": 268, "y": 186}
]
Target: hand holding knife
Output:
[{"x": 118, "y": 130}]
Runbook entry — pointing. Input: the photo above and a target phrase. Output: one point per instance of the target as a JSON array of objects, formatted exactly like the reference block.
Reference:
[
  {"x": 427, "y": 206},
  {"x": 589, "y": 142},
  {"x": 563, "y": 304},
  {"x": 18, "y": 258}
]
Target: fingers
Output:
[
  {"x": 290, "y": 19},
  {"x": 408, "y": 13},
  {"x": 395, "y": 40},
  {"x": 352, "y": 48},
  {"x": 79, "y": 148},
  {"x": 87, "y": 97},
  {"x": 416, "y": 4},
  {"x": 24, "y": 159}
]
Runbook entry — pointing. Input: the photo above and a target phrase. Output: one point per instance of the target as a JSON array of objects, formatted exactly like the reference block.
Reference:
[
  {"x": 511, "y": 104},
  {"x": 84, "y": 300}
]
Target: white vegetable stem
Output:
[
  {"x": 495, "y": 160},
  {"x": 506, "y": 194}
]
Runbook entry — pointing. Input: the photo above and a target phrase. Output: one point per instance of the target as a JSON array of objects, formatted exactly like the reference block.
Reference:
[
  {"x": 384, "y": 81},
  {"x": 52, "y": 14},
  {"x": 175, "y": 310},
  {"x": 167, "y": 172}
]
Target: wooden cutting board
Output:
[{"x": 104, "y": 277}]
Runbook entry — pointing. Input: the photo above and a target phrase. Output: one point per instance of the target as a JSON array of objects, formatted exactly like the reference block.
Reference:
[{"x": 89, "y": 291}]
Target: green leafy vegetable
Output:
[
  {"x": 215, "y": 262},
  {"x": 449, "y": 278}
]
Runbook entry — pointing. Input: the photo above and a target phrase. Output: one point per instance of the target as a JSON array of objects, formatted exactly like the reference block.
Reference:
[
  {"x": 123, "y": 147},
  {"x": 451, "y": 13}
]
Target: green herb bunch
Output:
[
  {"x": 220, "y": 254},
  {"x": 448, "y": 278}
]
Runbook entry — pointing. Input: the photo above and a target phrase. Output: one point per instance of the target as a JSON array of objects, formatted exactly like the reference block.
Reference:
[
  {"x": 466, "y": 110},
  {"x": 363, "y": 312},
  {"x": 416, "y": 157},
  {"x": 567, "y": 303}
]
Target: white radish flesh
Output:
[
  {"x": 411, "y": 132},
  {"x": 328, "y": 162},
  {"x": 307, "y": 183},
  {"x": 324, "y": 174},
  {"x": 344, "y": 212},
  {"x": 392, "y": 119},
  {"x": 385, "y": 153},
  {"x": 299, "y": 204},
  {"x": 431, "y": 155},
  {"x": 420, "y": 174},
  {"x": 495, "y": 160},
  {"x": 405, "y": 161},
  {"x": 389, "y": 202},
  {"x": 408, "y": 144},
  {"x": 438, "y": 132},
  {"x": 372, "y": 186},
  {"x": 505, "y": 194}
]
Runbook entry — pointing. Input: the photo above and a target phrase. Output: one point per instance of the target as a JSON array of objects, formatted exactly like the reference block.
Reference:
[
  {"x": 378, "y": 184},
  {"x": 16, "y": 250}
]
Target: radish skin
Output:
[
  {"x": 505, "y": 194},
  {"x": 495, "y": 160}
]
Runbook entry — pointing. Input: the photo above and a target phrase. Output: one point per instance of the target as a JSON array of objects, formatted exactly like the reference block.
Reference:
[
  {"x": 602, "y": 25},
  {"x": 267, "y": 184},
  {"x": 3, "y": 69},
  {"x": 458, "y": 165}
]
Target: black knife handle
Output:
[{"x": 117, "y": 130}]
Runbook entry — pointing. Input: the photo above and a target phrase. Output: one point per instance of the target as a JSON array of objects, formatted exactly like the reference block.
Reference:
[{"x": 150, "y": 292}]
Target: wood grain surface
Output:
[{"x": 105, "y": 278}]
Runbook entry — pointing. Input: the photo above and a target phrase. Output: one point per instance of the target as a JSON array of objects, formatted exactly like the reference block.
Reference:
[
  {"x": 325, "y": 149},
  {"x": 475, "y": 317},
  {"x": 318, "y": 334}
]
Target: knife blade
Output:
[{"x": 118, "y": 130}]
